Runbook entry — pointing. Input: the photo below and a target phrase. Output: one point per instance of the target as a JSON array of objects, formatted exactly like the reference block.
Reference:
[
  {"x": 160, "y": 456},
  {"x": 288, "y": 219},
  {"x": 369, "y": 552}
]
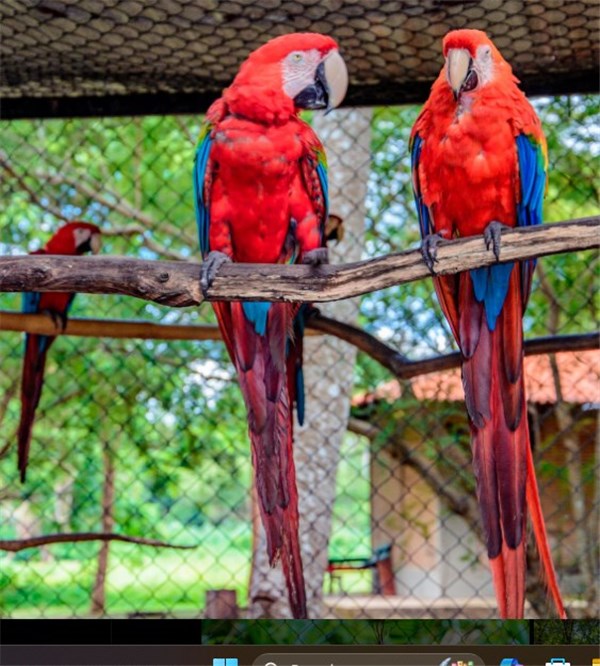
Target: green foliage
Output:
[
  {"x": 566, "y": 632},
  {"x": 365, "y": 632}
]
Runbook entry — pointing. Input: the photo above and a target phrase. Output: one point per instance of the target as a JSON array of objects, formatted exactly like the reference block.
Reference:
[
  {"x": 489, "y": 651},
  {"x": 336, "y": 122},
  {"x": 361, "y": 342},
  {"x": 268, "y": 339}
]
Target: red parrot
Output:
[
  {"x": 73, "y": 238},
  {"x": 479, "y": 162},
  {"x": 260, "y": 183}
]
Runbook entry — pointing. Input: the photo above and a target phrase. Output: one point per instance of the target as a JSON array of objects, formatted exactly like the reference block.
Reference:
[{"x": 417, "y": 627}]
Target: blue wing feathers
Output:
[
  {"x": 322, "y": 173},
  {"x": 533, "y": 182},
  {"x": 532, "y": 175},
  {"x": 31, "y": 305},
  {"x": 491, "y": 284},
  {"x": 202, "y": 214},
  {"x": 422, "y": 210},
  {"x": 30, "y": 301},
  {"x": 257, "y": 312}
]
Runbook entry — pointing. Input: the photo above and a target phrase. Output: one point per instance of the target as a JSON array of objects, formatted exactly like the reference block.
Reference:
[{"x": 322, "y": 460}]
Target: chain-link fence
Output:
[{"x": 147, "y": 437}]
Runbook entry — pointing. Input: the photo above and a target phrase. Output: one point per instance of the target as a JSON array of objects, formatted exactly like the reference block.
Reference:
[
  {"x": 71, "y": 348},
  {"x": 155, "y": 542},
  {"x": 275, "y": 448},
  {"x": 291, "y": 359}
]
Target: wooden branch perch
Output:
[
  {"x": 177, "y": 283},
  {"x": 317, "y": 324},
  {"x": 41, "y": 324},
  {"x": 15, "y": 545}
]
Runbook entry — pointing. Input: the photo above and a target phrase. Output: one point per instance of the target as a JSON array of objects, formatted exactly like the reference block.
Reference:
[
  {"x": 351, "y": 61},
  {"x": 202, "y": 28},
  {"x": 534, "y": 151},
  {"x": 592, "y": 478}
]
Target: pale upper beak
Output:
[
  {"x": 458, "y": 64},
  {"x": 336, "y": 77},
  {"x": 95, "y": 243}
]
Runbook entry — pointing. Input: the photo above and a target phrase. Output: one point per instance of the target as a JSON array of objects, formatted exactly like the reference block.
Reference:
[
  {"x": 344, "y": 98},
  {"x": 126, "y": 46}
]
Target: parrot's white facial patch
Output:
[
  {"x": 483, "y": 64},
  {"x": 81, "y": 236},
  {"x": 466, "y": 73},
  {"x": 299, "y": 69}
]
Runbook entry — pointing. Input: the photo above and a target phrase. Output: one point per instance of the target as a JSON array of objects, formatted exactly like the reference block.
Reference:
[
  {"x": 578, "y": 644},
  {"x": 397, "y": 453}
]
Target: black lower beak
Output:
[
  {"x": 314, "y": 96},
  {"x": 85, "y": 247},
  {"x": 470, "y": 82}
]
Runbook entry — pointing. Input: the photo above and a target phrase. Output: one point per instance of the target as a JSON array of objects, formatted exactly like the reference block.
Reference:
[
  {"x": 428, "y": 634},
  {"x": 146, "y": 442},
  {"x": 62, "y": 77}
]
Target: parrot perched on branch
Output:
[
  {"x": 479, "y": 163},
  {"x": 73, "y": 238},
  {"x": 260, "y": 183}
]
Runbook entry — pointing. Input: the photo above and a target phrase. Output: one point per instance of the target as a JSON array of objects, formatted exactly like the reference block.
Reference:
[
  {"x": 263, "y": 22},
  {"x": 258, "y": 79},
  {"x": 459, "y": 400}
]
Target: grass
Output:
[{"x": 157, "y": 580}]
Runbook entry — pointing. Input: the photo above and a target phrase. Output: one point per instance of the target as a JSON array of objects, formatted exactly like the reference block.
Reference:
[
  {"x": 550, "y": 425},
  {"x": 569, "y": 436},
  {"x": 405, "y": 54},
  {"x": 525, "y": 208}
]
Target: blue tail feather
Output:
[
  {"x": 490, "y": 285},
  {"x": 257, "y": 312}
]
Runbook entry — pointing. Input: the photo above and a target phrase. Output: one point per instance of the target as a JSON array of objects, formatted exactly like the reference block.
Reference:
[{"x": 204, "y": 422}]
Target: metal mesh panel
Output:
[
  {"x": 65, "y": 50},
  {"x": 148, "y": 438}
]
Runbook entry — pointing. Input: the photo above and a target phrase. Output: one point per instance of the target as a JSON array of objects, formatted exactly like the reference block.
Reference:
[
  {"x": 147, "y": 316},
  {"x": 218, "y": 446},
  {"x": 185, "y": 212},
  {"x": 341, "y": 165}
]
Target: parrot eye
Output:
[{"x": 297, "y": 57}]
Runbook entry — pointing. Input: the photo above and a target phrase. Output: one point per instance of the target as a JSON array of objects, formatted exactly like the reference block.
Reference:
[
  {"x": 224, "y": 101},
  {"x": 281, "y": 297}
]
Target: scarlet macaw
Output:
[
  {"x": 479, "y": 162},
  {"x": 260, "y": 182},
  {"x": 73, "y": 238}
]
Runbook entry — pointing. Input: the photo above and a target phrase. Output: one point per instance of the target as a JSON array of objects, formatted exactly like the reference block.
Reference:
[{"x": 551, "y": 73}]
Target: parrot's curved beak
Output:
[
  {"x": 336, "y": 78},
  {"x": 95, "y": 243},
  {"x": 459, "y": 70},
  {"x": 329, "y": 87}
]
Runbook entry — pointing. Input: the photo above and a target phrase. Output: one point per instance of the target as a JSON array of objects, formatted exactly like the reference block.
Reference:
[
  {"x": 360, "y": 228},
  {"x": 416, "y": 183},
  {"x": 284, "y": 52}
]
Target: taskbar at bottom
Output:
[{"x": 224, "y": 655}]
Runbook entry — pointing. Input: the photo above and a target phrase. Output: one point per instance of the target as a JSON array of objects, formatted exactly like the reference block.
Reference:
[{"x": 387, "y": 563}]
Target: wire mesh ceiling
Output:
[{"x": 92, "y": 57}]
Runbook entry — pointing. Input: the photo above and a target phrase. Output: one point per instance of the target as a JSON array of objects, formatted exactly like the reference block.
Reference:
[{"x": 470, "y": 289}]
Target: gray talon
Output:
[
  {"x": 316, "y": 257},
  {"x": 210, "y": 267},
  {"x": 493, "y": 237},
  {"x": 429, "y": 248}
]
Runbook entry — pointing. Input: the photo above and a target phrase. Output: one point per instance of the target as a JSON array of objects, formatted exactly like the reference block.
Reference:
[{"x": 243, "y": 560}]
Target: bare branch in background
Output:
[
  {"x": 16, "y": 545},
  {"x": 184, "y": 128},
  {"x": 317, "y": 324},
  {"x": 116, "y": 203},
  {"x": 31, "y": 193}
]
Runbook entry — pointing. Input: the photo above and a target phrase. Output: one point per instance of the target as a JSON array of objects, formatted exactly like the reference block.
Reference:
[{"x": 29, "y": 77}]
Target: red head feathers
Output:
[
  {"x": 289, "y": 73},
  {"x": 472, "y": 61},
  {"x": 75, "y": 238}
]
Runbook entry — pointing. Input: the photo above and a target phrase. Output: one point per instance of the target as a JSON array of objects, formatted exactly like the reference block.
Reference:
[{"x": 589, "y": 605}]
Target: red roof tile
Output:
[{"x": 579, "y": 377}]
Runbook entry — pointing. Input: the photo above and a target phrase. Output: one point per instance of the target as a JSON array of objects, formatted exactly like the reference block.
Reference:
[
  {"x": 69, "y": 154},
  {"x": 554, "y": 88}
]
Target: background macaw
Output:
[
  {"x": 260, "y": 182},
  {"x": 479, "y": 163},
  {"x": 72, "y": 238}
]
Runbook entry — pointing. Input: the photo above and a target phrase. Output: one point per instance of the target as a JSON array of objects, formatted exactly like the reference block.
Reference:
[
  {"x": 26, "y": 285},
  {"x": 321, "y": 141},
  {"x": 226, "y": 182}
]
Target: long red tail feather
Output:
[
  {"x": 262, "y": 371},
  {"x": 495, "y": 397},
  {"x": 541, "y": 538},
  {"x": 32, "y": 380}
]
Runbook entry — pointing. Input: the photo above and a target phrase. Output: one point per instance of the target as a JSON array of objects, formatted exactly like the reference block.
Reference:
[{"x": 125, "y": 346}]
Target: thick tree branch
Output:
[
  {"x": 402, "y": 368},
  {"x": 16, "y": 545},
  {"x": 178, "y": 284}
]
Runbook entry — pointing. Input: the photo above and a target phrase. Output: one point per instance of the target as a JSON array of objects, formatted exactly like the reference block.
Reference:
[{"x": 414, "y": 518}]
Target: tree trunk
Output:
[
  {"x": 63, "y": 501},
  {"x": 28, "y": 525},
  {"x": 108, "y": 494},
  {"x": 328, "y": 377}
]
